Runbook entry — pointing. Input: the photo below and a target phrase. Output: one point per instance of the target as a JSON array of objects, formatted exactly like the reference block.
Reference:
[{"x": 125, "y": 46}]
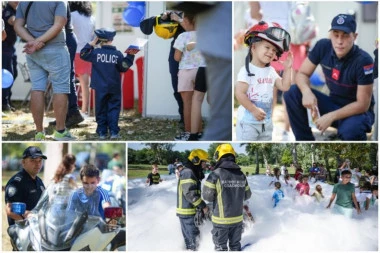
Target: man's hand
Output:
[
  {"x": 325, "y": 121},
  {"x": 33, "y": 46},
  {"x": 309, "y": 100},
  {"x": 206, "y": 210}
]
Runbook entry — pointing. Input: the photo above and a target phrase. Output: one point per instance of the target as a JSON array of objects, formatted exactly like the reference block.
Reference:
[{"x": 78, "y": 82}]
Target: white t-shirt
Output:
[
  {"x": 260, "y": 92},
  {"x": 362, "y": 196},
  {"x": 190, "y": 59},
  {"x": 355, "y": 177},
  {"x": 83, "y": 28}
]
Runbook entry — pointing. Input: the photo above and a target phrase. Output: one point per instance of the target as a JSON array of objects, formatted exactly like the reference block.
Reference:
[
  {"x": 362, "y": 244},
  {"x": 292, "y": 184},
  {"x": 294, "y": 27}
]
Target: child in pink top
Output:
[{"x": 303, "y": 187}]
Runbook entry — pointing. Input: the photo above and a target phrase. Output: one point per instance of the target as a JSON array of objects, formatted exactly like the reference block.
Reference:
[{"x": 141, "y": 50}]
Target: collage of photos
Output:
[{"x": 189, "y": 126}]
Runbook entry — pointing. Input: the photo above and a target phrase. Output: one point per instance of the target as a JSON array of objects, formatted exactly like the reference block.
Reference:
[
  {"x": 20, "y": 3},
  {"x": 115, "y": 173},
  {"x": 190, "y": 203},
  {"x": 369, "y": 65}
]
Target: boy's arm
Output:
[
  {"x": 367, "y": 201},
  {"x": 332, "y": 199},
  {"x": 355, "y": 202},
  {"x": 241, "y": 95},
  {"x": 126, "y": 62},
  {"x": 86, "y": 52}
]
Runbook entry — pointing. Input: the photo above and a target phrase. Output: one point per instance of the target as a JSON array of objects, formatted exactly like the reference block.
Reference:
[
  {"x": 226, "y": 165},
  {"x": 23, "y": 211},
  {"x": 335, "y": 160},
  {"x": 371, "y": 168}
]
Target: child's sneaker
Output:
[
  {"x": 40, "y": 136},
  {"x": 65, "y": 136},
  {"x": 102, "y": 137},
  {"x": 184, "y": 136},
  {"x": 115, "y": 136}
]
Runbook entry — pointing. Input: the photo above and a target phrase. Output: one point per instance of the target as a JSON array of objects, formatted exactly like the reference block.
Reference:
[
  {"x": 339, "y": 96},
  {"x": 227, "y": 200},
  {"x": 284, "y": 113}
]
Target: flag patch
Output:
[{"x": 368, "y": 69}]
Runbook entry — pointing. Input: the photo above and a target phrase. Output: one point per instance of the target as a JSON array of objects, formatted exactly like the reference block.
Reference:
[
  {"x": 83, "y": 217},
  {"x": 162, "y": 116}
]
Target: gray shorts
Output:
[
  {"x": 254, "y": 132},
  {"x": 50, "y": 64}
]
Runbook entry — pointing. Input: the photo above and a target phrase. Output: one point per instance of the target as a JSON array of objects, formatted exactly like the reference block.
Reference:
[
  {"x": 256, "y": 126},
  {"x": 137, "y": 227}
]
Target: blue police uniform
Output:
[
  {"x": 343, "y": 76},
  {"x": 107, "y": 63},
  {"x": 9, "y": 57},
  {"x": 23, "y": 188}
]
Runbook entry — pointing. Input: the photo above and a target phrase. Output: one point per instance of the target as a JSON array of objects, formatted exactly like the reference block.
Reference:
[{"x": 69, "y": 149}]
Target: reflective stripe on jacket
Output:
[
  {"x": 188, "y": 193},
  {"x": 227, "y": 187}
]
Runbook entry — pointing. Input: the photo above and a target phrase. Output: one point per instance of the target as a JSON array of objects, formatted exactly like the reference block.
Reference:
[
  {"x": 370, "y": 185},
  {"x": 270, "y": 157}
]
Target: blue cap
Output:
[
  {"x": 344, "y": 22},
  {"x": 105, "y": 34},
  {"x": 33, "y": 152}
]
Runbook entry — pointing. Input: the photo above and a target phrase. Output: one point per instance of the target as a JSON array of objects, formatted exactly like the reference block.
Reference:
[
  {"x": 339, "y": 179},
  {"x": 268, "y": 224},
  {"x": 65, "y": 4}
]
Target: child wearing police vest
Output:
[
  {"x": 107, "y": 63},
  {"x": 257, "y": 80}
]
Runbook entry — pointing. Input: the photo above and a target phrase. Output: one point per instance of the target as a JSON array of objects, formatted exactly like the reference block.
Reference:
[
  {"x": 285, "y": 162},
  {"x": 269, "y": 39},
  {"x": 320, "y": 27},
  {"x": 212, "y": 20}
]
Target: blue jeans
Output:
[
  {"x": 71, "y": 42},
  {"x": 52, "y": 63},
  {"x": 353, "y": 128}
]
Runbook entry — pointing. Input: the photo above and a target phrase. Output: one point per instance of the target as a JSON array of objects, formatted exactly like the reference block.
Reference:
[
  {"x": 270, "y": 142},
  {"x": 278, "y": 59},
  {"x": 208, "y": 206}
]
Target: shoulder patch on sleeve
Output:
[
  {"x": 11, "y": 191},
  {"x": 368, "y": 69},
  {"x": 18, "y": 179}
]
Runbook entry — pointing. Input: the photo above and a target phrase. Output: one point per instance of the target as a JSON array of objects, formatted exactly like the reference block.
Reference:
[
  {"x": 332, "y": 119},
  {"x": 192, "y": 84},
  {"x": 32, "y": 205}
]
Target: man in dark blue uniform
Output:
[
  {"x": 9, "y": 57},
  {"x": 25, "y": 186},
  {"x": 348, "y": 72},
  {"x": 107, "y": 63}
]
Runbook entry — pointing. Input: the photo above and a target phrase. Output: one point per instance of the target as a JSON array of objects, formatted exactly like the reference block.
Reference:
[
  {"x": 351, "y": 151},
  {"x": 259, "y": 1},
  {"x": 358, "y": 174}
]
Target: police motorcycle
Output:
[{"x": 52, "y": 226}]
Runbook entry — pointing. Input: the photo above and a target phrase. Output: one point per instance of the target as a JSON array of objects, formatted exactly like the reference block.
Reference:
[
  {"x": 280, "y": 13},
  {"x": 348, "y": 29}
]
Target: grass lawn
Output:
[{"x": 142, "y": 170}]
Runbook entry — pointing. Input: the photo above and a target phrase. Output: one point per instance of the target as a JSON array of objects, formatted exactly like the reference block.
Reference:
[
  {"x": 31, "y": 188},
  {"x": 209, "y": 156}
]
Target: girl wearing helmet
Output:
[{"x": 257, "y": 80}]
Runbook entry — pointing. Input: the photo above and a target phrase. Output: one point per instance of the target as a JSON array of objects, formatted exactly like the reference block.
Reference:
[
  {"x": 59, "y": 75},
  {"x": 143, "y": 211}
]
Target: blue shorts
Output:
[{"x": 50, "y": 64}]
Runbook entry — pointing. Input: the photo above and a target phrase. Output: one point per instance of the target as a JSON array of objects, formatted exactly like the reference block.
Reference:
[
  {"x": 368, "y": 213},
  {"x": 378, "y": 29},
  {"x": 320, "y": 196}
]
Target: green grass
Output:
[{"x": 142, "y": 170}]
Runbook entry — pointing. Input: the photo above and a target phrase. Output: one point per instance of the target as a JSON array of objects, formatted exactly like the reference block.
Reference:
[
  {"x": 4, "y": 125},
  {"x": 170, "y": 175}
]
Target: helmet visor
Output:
[{"x": 279, "y": 34}]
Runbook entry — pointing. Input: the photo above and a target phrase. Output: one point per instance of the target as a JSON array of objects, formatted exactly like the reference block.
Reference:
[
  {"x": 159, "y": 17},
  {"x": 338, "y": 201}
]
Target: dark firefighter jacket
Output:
[
  {"x": 227, "y": 188},
  {"x": 188, "y": 193}
]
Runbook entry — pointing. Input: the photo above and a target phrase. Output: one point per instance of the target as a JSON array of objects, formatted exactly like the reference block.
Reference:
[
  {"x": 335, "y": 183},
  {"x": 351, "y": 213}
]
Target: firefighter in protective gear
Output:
[
  {"x": 227, "y": 188},
  {"x": 189, "y": 196}
]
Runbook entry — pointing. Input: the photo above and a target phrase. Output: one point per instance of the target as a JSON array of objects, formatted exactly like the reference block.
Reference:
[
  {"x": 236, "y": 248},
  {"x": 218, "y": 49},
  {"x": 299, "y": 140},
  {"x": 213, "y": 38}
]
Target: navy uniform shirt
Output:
[
  {"x": 23, "y": 188},
  {"x": 107, "y": 63},
  {"x": 343, "y": 75},
  {"x": 9, "y": 42}
]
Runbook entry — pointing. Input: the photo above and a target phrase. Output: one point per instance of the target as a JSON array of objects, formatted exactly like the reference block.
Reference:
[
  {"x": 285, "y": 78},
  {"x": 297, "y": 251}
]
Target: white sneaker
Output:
[{"x": 184, "y": 136}]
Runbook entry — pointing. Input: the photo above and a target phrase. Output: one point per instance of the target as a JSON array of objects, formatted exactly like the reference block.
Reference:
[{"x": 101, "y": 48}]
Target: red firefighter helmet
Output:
[{"x": 271, "y": 32}]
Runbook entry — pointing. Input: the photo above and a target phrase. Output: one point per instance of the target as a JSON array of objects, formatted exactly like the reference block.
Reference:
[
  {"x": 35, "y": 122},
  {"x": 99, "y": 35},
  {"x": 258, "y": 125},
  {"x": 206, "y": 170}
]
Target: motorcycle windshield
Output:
[{"x": 61, "y": 215}]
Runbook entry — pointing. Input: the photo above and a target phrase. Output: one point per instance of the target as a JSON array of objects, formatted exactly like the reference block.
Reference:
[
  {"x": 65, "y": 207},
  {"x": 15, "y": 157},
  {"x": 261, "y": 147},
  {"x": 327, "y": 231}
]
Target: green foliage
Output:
[{"x": 287, "y": 158}]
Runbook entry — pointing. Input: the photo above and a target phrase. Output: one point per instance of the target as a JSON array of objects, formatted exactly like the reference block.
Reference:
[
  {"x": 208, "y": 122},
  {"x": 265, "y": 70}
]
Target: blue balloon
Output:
[
  {"x": 7, "y": 78},
  {"x": 132, "y": 16},
  {"x": 139, "y": 5},
  {"x": 316, "y": 80}
]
